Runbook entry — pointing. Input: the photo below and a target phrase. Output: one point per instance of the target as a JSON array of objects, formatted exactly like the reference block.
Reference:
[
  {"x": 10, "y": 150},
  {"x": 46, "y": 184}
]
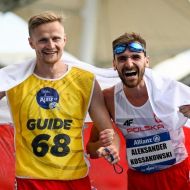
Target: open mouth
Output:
[{"x": 130, "y": 73}]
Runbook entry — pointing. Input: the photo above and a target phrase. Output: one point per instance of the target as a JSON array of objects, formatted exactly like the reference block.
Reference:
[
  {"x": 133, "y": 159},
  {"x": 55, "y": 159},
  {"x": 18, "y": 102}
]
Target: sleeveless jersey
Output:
[
  {"x": 150, "y": 145},
  {"x": 48, "y": 116}
]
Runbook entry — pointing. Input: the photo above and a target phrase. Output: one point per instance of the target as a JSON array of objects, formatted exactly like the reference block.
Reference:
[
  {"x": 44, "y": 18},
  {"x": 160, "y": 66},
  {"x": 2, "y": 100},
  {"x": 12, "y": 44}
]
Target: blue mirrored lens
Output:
[
  {"x": 120, "y": 48},
  {"x": 134, "y": 47}
]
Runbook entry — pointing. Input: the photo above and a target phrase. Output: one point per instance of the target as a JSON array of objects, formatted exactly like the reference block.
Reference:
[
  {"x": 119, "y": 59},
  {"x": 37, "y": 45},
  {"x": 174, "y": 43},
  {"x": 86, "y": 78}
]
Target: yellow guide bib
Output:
[{"x": 48, "y": 116}]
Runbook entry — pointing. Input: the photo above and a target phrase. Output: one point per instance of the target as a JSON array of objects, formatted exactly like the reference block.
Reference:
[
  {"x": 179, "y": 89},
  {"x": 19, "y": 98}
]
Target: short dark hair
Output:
[{"x": 127, "y": 38}]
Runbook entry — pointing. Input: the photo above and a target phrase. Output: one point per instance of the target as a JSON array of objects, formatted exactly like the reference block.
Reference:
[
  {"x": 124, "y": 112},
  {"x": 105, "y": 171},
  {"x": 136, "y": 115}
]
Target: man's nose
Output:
[
  {"x": 51, "y": 43},
  {"x": 129, "y": 62}
]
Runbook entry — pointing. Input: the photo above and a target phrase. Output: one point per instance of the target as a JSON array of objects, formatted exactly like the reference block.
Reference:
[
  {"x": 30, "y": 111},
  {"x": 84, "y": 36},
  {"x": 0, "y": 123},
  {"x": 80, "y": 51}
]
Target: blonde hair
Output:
[{"x": 43, "y": 18}]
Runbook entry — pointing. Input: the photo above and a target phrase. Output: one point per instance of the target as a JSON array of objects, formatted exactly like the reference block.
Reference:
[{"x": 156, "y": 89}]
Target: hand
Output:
[
  {"x": 110, "y": 153},
  {"x": 106, "y": 137},
  {"x": 185, "y": 110}
]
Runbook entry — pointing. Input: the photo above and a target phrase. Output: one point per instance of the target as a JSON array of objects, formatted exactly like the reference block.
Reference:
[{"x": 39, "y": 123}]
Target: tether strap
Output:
[{"x": 117, "y": 167}]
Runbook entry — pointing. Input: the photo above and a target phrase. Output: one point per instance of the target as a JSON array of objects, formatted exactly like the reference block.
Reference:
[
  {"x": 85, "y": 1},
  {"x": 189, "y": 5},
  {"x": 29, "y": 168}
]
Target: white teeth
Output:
[
  {"x": 49, "y": 52},
  {"x": 131, "y": 71}
]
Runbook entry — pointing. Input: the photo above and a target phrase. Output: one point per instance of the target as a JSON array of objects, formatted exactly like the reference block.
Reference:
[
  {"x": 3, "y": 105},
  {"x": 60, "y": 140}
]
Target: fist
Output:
[
  {"x": 110, "y": 153},
  {"x": 106, "y": 137}
]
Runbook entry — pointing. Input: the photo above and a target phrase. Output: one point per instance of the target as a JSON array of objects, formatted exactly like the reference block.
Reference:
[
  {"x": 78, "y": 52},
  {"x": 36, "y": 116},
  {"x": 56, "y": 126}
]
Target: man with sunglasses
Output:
[{"x": 148, "y": 110}]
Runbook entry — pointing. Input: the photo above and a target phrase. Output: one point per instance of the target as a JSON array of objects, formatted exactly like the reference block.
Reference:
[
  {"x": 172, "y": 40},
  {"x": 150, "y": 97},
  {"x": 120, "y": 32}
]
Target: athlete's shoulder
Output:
[
  {"x": 81, "y": 70},
  {"x": 108, "y": 92}
]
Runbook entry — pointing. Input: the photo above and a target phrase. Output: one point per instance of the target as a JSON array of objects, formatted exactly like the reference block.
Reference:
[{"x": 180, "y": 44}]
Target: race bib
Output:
[{"x": 151, "y": 153}]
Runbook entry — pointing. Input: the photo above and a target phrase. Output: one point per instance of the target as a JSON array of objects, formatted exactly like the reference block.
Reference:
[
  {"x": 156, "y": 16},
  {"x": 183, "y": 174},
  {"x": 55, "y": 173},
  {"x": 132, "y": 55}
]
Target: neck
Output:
[
  {"x": 137, "y": 96},
  {"x": 50, "y": 71}
]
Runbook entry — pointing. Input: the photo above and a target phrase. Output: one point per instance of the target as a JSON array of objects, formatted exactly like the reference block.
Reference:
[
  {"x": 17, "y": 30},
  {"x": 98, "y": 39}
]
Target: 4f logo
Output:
[
  {"x": 157, "y": 119},
  {"x": 128, "y": 122}
]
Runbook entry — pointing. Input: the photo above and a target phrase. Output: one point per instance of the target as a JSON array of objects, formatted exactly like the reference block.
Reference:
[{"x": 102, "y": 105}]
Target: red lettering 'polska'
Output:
[{"x": 145, "y": 128}]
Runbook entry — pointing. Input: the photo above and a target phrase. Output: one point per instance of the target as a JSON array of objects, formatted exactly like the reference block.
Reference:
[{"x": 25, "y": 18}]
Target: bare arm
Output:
[
  {"x": 101, "y": 135},
  {"x": 185, "y": 110},
  {"x": 95, "y": 143},
  {"x": 98, "y": 111},
  {"x": 2, "y": 94}
]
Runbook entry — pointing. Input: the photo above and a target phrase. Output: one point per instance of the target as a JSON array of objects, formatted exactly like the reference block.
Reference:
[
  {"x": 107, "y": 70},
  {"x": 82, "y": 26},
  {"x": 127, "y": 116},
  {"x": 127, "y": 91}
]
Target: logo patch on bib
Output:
[{"x": 47, "y": 98}]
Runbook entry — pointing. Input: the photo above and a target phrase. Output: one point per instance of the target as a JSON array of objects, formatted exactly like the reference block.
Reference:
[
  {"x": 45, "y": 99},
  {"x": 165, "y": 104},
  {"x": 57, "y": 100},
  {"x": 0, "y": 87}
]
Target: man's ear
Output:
[
  {"x": 64, "y": 39},
  {"x": 147, "y": 61},
  {"x": 114, "y": 64},
  {"x": 30, "y": 42}
]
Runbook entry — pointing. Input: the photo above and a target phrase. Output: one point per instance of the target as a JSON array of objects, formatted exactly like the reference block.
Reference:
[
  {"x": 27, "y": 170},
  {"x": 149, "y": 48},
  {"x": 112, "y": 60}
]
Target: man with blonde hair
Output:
[{"x": 48, "y": 110}]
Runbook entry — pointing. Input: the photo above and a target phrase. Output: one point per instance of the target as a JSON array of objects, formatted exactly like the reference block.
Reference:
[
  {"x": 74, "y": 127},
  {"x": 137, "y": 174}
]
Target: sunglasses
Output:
[{"x": 133, "y": 47}]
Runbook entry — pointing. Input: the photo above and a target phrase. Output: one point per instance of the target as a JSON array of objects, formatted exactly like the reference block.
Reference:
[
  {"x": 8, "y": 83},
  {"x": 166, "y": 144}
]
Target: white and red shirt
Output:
[{"x": 151, "y": 145}]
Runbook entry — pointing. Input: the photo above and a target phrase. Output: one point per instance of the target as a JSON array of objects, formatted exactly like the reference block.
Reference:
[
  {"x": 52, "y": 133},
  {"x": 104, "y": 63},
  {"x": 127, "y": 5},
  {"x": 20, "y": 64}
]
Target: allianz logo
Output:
[
  {"x": 153, "y": 139},
  {"x": 142, "y": 141}
]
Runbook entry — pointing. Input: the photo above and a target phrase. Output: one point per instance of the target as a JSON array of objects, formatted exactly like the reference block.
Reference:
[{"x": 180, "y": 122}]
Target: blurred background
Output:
[{"x": 92, "y": 25}]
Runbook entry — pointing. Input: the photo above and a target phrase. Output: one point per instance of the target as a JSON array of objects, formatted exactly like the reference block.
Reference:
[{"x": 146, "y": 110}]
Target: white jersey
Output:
[{"x": 150, "y": 145}]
